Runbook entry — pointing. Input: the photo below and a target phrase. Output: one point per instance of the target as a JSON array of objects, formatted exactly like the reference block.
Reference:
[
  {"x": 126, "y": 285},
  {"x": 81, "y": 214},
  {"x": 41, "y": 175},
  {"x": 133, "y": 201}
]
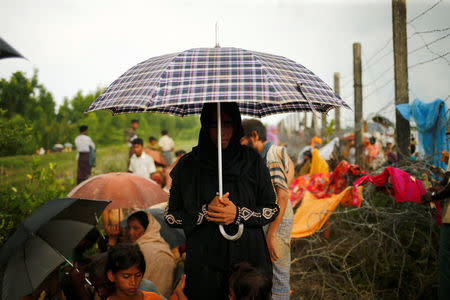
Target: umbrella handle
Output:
[
  {"x": 232, "y": 237},
  {"x": 219, "y": 167}
]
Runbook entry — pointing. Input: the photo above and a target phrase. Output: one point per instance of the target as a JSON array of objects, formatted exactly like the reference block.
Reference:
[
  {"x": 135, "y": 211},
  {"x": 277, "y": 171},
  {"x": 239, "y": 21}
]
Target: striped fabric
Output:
[
  {"x": 278, "y": 165},
  {"x": 180, "y": 83}
]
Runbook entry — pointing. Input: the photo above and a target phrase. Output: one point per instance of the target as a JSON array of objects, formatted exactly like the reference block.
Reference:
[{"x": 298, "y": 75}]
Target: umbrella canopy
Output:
[
  {"x": 372, "y": 126},
  {"x": 125, "y": 190},
  {"x": 42, "y": 242},
  {"x": 7, "y": 51},
  {"x": 180, "y": 83},
  {"x": 382, "y": 120}
]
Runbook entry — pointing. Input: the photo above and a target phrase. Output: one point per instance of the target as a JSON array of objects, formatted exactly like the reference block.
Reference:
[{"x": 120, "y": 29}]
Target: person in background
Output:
[
  {"x": 166, "y": 146},
  {"x": 272, "y": 135},
  {"x": 67, "y": 147},
  {"x": 167, "y": 170},
  {"x": 305, "y": 166},
  {"x": 131, "y": 132},
  {"x": 247, "y": 282},
  {"x": 143, "y": 230},
  {"x": 278, "y": 236},
  {"x": 130, "y": 135},
  {"x": 83, "y": 144},
  {"x": 391, "y": 156},
  {"x": 443, "y": 195},
  {"x": 153, "y": 142},
  {"x": 371, "y": 152},
  {"x": 58, "y": 147},
  {"x": 141, "y": 163}
]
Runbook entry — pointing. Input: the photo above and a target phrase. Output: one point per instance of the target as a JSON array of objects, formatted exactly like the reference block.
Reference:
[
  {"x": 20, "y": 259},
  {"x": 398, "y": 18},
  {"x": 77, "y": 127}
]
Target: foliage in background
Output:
[
  {"x": 30, "y": 108},
  {"x": 15, "y": 134},
  {"x": 20, "y": 202}
]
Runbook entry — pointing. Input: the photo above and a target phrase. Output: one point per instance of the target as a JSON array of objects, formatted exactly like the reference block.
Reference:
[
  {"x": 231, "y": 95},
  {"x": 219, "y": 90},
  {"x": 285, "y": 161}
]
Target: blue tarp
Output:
[{"x": 431, "y": 119}]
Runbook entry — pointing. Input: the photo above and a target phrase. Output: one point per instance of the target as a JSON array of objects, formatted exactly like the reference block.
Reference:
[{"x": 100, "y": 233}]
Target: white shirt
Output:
[
  {"x": 82, "y": 143},
  {"x": 142, "y": 166},
  {"x": 166, "y": 143}
]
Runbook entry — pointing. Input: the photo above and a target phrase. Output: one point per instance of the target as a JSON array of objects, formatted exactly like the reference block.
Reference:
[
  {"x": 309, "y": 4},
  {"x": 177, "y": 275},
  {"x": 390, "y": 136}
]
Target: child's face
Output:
[{"x": 126, "y": 281}]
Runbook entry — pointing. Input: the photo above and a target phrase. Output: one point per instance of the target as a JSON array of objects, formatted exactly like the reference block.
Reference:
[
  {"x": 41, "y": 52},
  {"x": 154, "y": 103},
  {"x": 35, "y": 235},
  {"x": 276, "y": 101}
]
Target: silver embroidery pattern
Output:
[
  {"x": 201, "y": 215},
  {"x": 245, "y": 213},
  {"x": 268, "y": 212},
  {"x": 238, "y": 217},
  {"x": 172, "y": 220}
]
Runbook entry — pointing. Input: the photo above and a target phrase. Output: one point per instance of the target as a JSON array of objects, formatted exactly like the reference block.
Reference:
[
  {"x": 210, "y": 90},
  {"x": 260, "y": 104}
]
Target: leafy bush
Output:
[
  {"x": 15, "y": 135},
  {"x": 19, "y": 203}
]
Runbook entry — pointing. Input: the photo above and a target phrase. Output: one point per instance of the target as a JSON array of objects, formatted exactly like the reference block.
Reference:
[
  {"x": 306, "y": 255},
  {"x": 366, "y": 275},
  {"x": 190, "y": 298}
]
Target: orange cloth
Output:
[
  {"x": 315, "y": 140},
  {"x": 147, "y": 296},
  {"x": 318, "y": 164},
  {"x": 313, "y": 213}
]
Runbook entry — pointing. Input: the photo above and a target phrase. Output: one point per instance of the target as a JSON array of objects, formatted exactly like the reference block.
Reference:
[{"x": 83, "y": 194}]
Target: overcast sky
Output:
[{"x": 82, "y": 45}]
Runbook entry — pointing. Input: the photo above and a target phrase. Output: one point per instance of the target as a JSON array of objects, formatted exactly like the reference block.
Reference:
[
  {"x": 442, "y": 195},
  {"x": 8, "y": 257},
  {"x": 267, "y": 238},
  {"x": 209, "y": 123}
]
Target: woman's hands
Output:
[{"x": 221, "y": 210}]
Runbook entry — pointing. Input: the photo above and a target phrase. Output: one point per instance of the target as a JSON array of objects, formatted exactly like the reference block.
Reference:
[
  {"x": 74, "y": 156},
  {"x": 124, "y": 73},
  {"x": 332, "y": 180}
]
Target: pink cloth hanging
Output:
[{"x": 405, "y": 187}]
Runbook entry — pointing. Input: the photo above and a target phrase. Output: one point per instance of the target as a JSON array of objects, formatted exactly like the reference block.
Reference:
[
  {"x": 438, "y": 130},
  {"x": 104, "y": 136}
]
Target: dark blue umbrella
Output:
[{"x": 43, "y": 241}]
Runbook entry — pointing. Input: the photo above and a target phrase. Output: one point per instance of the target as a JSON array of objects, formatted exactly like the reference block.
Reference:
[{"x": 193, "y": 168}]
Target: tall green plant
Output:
[{"x": 19, "y": 203}]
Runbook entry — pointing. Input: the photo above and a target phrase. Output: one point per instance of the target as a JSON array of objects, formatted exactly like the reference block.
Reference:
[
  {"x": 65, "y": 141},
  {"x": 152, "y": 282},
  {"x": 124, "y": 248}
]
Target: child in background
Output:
[{"x": 249, "y": 283}]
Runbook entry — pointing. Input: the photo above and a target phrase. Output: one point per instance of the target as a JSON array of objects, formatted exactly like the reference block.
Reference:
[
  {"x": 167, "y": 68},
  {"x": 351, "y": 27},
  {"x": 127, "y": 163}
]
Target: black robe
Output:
[{"x": 209, "y": 256}]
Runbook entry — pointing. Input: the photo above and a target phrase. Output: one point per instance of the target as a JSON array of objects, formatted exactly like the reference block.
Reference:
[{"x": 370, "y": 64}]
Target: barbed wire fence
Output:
[{"x": 380, "y": 250}]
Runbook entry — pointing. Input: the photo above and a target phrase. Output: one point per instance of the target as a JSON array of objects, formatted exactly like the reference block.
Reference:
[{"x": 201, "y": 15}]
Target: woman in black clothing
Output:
[{"x": 194, "y": 206}]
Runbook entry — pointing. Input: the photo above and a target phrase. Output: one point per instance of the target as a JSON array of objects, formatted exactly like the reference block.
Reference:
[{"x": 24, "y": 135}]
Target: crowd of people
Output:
[
  {"x": 136, "y": 262},
  {"x": 256, "y": 176}
]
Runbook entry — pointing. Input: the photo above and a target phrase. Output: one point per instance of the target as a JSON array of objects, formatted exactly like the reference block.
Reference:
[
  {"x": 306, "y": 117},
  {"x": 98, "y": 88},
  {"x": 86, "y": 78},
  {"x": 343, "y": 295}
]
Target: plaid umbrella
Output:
[{"x": 180, "y": 83}]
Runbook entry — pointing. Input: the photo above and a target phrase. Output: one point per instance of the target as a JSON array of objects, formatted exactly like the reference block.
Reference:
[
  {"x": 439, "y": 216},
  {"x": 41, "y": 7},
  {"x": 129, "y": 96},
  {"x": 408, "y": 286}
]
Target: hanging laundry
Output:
[
  {"x": 405, "y": 187},
  {"x": 313, "y": 212},
  {"x": 431, "y": 119},
  {"x": 318, "y": 164},
  {"x": 323, "y": 184}
]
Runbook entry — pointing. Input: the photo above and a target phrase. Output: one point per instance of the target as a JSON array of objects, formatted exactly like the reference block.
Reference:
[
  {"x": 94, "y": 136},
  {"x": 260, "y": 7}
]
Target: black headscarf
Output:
[
  {"x": 233, "y": 161},
  {"x": 199, "y": 171}
]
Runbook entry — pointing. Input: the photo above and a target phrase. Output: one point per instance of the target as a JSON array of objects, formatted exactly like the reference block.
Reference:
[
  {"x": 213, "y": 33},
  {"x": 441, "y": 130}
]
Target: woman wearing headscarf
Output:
[
  {"x": 143, "y": 230},
  {"x": 193, "y": 205}
]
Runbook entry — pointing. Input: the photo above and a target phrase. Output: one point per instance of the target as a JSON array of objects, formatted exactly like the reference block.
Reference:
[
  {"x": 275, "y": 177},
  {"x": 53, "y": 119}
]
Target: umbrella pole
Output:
[
  {"x": 219, "y": 149},
  {"x": 63, "y": 257},
  {"x": 219, "y": 168}
]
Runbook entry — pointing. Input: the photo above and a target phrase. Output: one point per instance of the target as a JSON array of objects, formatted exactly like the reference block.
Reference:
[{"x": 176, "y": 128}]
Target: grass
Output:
[{"x": 14, "y": 169}]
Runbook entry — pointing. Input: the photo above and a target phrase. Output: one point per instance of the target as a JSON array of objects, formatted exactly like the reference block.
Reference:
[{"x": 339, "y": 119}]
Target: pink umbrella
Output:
[{"x": 125, "y": 190}]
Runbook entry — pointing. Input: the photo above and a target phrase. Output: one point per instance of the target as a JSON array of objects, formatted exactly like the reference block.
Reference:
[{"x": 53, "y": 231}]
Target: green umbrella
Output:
[{"x": 43, "y": 241}]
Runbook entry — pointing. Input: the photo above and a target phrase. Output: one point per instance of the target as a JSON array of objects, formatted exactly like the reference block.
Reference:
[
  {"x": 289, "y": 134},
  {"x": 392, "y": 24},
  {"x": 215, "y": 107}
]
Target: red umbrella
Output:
[{"x": 125, "y": 190}]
